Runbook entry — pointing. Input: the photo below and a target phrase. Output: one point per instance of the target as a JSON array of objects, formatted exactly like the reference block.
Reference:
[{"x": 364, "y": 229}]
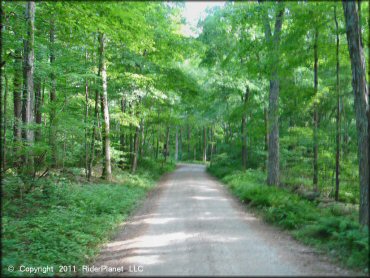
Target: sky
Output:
[{"x": 195, "y": 10}]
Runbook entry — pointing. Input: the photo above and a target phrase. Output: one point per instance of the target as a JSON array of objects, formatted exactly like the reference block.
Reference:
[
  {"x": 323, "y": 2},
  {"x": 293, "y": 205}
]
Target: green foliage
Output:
[
  {"x": 70, "y": 222},
  {"x": 326, "y": 228}
]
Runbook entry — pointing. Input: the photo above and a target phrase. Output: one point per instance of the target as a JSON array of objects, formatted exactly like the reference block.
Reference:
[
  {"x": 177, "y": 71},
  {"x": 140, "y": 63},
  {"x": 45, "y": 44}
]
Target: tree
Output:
[
  {"x": 107, "y": 169},
  {"x": 337, "y": 153},
  {"x": 273, "y": 167},
  {"x": 28, "y": 91},
  {"x": 361, "y": 93},
  {"x": 244, "y": 129},
  {"x": 52, "y": 136},
  {"x": 315, "y": 115}
]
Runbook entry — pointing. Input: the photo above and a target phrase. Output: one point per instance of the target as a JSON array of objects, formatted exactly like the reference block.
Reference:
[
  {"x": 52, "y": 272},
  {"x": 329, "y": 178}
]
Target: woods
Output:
[{"x": 116, "y": 92}]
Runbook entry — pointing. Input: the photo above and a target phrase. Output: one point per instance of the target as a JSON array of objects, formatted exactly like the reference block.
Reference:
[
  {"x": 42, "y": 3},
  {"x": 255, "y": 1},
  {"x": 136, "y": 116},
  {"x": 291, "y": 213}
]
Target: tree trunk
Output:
[
  {"x": 142, "y": 138},
  {"x": 244, "y": 129},
  {"x": 177, "y": 144},
  {"x": 361, "y": 103},
  {"x": 157, "y": 146},
  {"x": 180, "y": 144},
  {"x": 167, "y": 145},
  {"x": 38, "y": 105},
  {"x": 17, "y": 100},
  {"x": 86, "y": 125},
  {"x": 188, "y": 137},
  {"x": 28, "y": 93},
  {"x": 204, "y": 144},
  {"x": 315, "y": 117},
  {"x": 212, "y": 145},
  {"x": 93, "y": 135},
  {"x": 122, "y": 136},
  {"x": 53, "y": 97},
  {"x": 337, "y": 155},
  {"x": 273, "y": 167},
  {"x": 4, "y": 121},
  {"x": 107, "y": 168},
  {"x": 1, "y": 87},
  {"x": 136, "y": 150}
]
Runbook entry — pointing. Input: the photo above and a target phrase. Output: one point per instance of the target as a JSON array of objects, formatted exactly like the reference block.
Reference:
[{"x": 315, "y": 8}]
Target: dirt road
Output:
[{"x": 191, "y": 225}]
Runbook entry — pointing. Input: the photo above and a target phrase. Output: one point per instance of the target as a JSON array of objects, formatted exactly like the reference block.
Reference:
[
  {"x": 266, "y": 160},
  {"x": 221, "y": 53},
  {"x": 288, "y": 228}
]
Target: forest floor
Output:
[{"x": 191, "y": 225}]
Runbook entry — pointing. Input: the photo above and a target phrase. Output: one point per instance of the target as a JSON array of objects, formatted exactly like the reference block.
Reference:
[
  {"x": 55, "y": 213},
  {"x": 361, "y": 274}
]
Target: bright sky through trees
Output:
[{"x": 193, "y": 12}]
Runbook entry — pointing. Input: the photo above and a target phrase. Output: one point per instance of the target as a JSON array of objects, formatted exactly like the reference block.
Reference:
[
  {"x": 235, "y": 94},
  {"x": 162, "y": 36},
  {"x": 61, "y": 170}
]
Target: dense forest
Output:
[{"x": 99, "y": 94}]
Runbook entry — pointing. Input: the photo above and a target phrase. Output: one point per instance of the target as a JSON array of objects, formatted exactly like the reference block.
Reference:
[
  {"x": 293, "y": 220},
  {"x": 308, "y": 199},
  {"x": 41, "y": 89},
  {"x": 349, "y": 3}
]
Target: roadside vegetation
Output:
[
  {"x": 331, "y": 227},
  {"x": 63, "y": 222}
]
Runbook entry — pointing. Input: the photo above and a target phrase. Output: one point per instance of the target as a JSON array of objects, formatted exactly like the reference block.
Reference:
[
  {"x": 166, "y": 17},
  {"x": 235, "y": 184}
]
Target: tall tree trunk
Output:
[
  {"x": 167, "y": 145},
  {"x": 180, "y": 144},
  {"x": 177, "y": 144},
  {"x": 212, "y": 145},
  {"x": 337, "y": 154},
  {"x": 315, "y": 116},
  {"x": 28, "y": 93},
  {"x": 244, "y": 129},
  {"x": 188, "y": 137},
  {"x": 2, "y": 63},
  {"x": 273, "y": 167},
  {"x": 107, "y": 168},
  {"x": 17, "y": 100},
  {"x": 142, "y": 138},
  {"x": 136, "y": 149},
  {"x": 135, "y": 145},
  {"x": 204, "y": 144},
  {"x": 4, "y": 121},
  {"x": 157, "y": 146},
  {"x": 360, "y": 89},
  {"x": 94, "y": 131},
  {"x": 38, "y": 105},
  {"x": 53, "y": 96},
  {"x": 86, "y": 125},
  {"x": 122, "y": 136}
]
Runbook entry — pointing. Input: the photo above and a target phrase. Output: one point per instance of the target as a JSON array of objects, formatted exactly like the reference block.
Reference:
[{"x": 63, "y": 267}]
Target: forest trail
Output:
[{"x": 191, "y": 225}]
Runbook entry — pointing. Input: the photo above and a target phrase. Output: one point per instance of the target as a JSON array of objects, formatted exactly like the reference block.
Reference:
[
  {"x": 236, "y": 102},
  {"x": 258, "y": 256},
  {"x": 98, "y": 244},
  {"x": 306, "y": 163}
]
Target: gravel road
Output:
[{"x": 190, "y": 225}]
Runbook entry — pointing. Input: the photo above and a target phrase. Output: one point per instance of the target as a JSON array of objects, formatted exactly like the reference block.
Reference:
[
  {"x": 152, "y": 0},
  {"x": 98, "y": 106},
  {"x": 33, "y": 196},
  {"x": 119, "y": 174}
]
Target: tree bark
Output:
[
  {"x": 167, "y": 145},
  {"x": 177, "y": 144},
  {"x": 107, "y": 168},
  {"x": 28, "y": 93},
  {"x": 122, "y": 136},
  {"x": 53, "y": 97},
  {"x": 4, "y": 121},
  {"x": 337, "y": 154},
  {"x": 361, "y": 95},
  {"x": 93, "y": 135},
  {"x": 188, "y": 137},
  {"x": 244, "y": 129},
  {"x": 136, "y": 150},
  {"x": 204, "y": 144},
  {"x": 38, "y": 105},
  {"x": 212, "y": 145},
  {"x": 17, "y": 100},
  {"x": 1, "y": 87},
  {"x": 315, "y": 117},
  {"x": 86, "y": 124},
  {"x": 273, "y": 167}
]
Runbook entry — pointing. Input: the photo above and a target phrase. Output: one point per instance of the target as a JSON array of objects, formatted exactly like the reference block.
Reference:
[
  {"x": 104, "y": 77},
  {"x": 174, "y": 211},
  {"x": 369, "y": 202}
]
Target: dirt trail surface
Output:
[{"x": 190, "y": 225}]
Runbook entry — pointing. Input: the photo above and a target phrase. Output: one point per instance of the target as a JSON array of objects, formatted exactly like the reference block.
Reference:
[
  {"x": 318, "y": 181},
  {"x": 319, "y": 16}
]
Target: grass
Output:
[
  {"x": 65, "y": 224},
  {"x": 326, "y": 229}
]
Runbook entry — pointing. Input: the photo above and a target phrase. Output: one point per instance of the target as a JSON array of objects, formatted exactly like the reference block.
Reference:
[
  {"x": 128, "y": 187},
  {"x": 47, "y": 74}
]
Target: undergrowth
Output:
[
  {"x": 324, "y": 228},
  {"x": 63, "y": 223}
]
